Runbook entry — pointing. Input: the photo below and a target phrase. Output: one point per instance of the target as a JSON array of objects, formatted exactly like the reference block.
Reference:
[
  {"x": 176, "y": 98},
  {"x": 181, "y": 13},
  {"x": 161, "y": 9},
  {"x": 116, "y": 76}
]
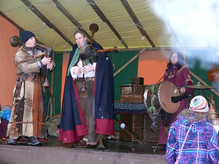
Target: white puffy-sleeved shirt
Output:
[{"x": 89, "y": 74}]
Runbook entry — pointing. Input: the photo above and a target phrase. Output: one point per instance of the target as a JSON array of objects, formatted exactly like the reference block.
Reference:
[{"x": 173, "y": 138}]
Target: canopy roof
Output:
[{"x": 122, "y": 23}]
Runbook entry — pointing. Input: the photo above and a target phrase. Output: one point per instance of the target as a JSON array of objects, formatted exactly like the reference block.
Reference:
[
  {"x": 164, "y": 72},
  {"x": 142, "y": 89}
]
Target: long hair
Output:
[
  {"x": 180, "y": 61},
  {"x": 192, "y": 116}
]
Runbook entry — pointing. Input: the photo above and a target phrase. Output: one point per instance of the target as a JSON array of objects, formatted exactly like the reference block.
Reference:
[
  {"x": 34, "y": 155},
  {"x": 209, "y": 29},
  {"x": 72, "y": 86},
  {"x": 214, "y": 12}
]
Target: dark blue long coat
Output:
[{"x": 72, "y": 126}]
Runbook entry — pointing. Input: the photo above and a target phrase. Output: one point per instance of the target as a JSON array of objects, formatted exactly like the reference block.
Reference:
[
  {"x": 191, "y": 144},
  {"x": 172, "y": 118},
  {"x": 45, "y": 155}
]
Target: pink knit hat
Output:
[{"x": 199, "y": 104}]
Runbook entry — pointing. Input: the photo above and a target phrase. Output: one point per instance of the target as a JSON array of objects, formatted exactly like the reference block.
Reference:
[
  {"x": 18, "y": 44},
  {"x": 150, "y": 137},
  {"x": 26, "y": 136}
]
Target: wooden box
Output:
[
  {"x": 140, "y": 125},
  {"x": 126, "y": 89},
  {"x": 137, "y": 89},
  {"x": 138, "y": 80},
  {"x": 132, "y": 89},
  {"x": 132, "y": 98},
  {"x": 133, "y": 122}
]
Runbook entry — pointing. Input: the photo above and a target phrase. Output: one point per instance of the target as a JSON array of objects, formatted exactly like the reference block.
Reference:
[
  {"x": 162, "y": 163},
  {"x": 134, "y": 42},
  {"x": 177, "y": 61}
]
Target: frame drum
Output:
[{"x": 162, "y": 94}]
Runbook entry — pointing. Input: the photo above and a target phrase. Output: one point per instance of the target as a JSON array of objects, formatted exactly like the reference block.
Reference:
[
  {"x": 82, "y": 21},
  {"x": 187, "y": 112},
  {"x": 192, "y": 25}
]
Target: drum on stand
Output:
[
  {"x": 162, "y": 96},
  {"x": 157, "y": 96}
]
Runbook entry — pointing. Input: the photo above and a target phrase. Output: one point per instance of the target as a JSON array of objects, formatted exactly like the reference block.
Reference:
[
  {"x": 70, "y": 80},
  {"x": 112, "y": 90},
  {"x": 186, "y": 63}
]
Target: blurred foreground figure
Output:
[{"x": 192, "y": 138}]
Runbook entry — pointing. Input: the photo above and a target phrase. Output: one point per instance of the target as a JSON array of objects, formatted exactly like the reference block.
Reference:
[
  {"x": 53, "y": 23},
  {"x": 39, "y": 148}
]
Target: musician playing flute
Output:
[
  {"x": 88, "y": 101},
  {"x": 177, "y": 73},
  {"x": 27, "y": 119}
]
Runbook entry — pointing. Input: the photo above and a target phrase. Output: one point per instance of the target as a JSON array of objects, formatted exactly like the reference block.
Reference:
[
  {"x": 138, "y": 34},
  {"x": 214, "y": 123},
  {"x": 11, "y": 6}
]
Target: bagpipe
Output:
[
  {"x": 88, "y": 52},
  {"x": 46, "y": 51}
]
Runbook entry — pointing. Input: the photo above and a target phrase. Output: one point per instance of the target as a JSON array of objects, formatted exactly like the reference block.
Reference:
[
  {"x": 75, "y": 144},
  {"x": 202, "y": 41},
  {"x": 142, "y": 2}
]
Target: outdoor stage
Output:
[
  {"x": 116, "y": 152},
  {"x": 125, "y": 149}
]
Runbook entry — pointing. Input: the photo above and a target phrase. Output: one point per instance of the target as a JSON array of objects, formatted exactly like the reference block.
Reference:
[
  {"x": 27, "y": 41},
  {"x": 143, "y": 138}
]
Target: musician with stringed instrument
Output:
[{"x": 88, "y": 101}]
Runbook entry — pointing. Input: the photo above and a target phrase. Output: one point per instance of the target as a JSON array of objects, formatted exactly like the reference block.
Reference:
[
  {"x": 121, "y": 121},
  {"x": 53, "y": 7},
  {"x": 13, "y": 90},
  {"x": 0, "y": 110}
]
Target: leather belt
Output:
[{"x": 86, "y": 78}]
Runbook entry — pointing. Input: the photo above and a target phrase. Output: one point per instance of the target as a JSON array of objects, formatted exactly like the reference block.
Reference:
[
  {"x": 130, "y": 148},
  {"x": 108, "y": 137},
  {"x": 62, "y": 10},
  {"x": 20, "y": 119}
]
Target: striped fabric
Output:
[{"x": 199, "y": 104}]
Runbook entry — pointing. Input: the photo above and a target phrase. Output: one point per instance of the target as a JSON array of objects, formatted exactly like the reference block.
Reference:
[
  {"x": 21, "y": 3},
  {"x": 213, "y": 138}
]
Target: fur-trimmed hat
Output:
[
  {"x": 26, "y": 36},
  {"x": 199, "y": 104}
]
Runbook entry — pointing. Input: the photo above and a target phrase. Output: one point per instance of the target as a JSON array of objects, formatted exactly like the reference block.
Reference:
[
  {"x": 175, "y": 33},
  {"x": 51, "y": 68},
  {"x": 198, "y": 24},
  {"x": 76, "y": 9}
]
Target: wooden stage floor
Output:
[{"x": 52, "y": 152}]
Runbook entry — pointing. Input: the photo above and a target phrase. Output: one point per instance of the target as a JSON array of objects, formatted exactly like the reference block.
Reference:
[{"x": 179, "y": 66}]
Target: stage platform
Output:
[{"x": 116, "y": 152}]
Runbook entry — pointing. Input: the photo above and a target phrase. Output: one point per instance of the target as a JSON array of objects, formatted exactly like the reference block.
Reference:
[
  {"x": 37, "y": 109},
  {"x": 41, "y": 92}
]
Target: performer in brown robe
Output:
[{"x": 28, "y": 111}]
